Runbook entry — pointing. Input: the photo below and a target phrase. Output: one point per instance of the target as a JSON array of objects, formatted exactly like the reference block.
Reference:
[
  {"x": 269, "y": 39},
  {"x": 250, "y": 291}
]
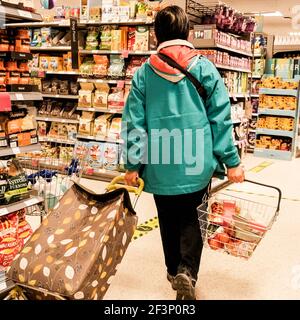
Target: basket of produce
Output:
[{"x": 234, "y": 225}]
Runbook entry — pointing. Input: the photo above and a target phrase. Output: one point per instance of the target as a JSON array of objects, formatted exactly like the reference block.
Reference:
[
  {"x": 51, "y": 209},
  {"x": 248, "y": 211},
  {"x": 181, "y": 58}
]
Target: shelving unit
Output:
[
  {"x": 57, "y": 140},
  {"x": 26, "y": 203},
  {"x": 62, "y": 120},
  {"x": 59, "y": 96},
  {"x": 55, "y": 49},
  {"x": 279, "y": 154},
  {"x": 24, "y": 96},
  {"x": 224, "y": 67},
  {"x": 119, "y": 52},
  {"x": 103, "y": 139},
  {"x": 18, "y": 13},
  {"x": 104, "y": 110},
  {"x": 4, "y": 152},
  {"x": 85, "y": 80}
]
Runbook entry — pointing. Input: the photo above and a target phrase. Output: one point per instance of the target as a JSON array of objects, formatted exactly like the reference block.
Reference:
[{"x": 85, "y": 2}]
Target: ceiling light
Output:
[{"x": 270, "y": 14}]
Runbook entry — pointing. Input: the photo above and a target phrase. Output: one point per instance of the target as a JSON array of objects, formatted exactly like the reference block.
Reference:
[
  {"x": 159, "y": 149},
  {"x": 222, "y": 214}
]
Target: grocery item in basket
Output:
[
  {"x": 115, "y": 128},
  {"x": 101, "y": 95},
  {"x": 9, "y": 242},
  {"x": 110, "y": 156},
  {"x": 101, "y": 125},
  {"x": 86, "y": 123}
]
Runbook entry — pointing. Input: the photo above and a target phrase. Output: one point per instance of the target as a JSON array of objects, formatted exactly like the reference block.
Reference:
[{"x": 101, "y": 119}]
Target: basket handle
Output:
[
  {"x": 116, "y": 184},
  {"x": 268, "y": 186}
]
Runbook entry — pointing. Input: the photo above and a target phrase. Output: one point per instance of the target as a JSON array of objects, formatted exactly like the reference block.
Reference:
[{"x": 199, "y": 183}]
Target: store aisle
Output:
[{"x": 272, "y": 273}]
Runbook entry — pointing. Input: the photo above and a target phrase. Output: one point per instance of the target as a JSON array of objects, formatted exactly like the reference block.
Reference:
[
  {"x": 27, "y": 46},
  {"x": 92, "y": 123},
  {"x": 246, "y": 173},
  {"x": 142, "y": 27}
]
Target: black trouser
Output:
[{"x": 180, "y": 231}]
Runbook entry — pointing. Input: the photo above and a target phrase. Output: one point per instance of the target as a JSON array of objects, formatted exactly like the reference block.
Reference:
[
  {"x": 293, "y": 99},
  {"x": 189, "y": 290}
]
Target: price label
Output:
[
  {"x": 16, "y": 150},
  {"x": 125, "y": 54},
  {"x": 19, "y": 96},
  {"x": 26, "y": 14},
  {"x": 3, "y": 211},
  {"x": 30, "y": 202}
]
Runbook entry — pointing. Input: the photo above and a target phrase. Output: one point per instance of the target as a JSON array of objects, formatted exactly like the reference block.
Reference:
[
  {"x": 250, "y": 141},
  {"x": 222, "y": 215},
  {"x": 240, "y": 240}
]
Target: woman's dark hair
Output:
[{"x": 171, "y": 23}]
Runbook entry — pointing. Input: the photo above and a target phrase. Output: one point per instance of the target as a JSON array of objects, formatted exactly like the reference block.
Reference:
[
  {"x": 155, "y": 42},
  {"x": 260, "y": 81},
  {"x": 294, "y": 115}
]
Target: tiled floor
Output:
[{"x": 272, "y": 273}]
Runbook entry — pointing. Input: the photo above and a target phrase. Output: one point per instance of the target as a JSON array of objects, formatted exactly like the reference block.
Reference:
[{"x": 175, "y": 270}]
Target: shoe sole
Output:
[
  {"x": 184, "y": 287},
  {"x": 171, "y": 280}
]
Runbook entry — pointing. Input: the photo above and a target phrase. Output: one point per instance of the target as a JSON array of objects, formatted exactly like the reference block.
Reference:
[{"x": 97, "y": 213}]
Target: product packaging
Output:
[
  {"x": 101, "y": 125},
  {"x": 110, "y": 156},
  {"x": 100, "y": 68},
  {"x": 116, "y": 99},
  {"x": 101, "y": 95},
  {"x": 86, "y": 95},
  {"x": 86, "y": 123},
  {"x": 116, "y": 68},
  {"x": 141, "y": 38},
  {"x": 114, "y": 131},
  {"x": 96, "y": 155}
]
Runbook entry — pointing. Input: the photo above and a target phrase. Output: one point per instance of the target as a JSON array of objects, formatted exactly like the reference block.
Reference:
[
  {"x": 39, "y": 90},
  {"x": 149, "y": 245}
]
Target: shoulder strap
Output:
[{"x": 193, "y": 79}]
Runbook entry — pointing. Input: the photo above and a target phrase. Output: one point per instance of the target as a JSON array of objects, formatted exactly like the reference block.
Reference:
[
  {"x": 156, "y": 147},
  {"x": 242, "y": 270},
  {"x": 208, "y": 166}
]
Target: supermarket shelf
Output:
[
  {"x": 63, "y": 120},
  {"x": 59, "y": 96},
  {"x": 15, "y": 14},
  {"x": 282, "y": 92},
  {"x": 67, "y": 73},
  {"x": 25, "y": 96},
  {"x": 60, "y": 23},
  {"x": 283, "y": 133},
  {"x": 105, "y": 110},
  {"x": 56, "y": 140},
  {"x": 220, "y": 66},
  {"x": 9, "y": 208},
  {"x": 134, "y": 53},
  {"x": 239, "y": 95},
  {"x": 286, "y": 48},
  {"x": 210, "y": 43},
  {"x": 58, "y": 48},
  {"x": 255, "y": 76},
  {"x": 275, "y": 112},
  {"x": 254, "y": 95},
  {"x": 252, "y": 130},
  {"x": 273, "y": 154},
  {"x": 258, "y": 55},
  {"x": 16, "y": 55},
  {"x": 254, "y": 114},
  {"x": 13, "y": 151},
  {"x": 133, "y": 22},
  {"x": 103, "y": 81},
  {"x": 104, "y": 139}
]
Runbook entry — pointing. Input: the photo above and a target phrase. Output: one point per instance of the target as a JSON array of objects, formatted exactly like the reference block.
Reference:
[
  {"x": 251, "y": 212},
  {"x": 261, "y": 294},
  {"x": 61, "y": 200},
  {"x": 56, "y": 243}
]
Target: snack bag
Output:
[
  {"x": 24, "y": 228},
  {"x": 42, "y": 128},
  {"x": 96, "y": 155},
  {"x": 134, "y": 64},
  {"x": 86, "y": 95},
  {"x": 106, "y": 41},
  {"x": 87, "y": 67},
  {"x": 116, "y": 68},
  {"x": 116, "y": 99},
  {"x": 110, "y": 156},
  {"x": 100, "y": 67},
  {"x": 92, "y": 39},
  {"x": 86, "y": 123},
  {"x": 115, "y": 128},
  {"x": 9, "y": 242},
  {"x": 101, "y": 95},
  {"x": 101, "y": 125}
]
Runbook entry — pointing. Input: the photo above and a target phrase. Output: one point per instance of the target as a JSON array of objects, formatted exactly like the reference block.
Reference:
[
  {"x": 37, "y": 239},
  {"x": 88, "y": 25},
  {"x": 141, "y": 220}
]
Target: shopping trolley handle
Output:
[
  {"x": 268, "y": 186},
  {"x": 119, "y": 182}
]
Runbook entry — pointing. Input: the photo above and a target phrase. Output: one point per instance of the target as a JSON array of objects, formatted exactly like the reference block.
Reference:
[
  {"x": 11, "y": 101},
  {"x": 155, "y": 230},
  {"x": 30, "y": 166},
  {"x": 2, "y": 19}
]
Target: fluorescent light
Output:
[{"x": 270, "y": 14}]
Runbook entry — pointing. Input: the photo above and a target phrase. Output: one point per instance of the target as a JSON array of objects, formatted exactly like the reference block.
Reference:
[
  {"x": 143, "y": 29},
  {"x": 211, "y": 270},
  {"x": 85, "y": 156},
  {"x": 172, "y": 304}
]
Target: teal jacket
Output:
[{"x": 167, "y": 125}]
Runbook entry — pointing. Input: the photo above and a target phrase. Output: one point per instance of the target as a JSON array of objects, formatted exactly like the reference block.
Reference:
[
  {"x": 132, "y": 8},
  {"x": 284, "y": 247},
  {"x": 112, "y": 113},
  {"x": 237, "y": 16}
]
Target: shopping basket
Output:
[
  {"x": 75, "y": 252},
  {"x": 234, "y": 225}
]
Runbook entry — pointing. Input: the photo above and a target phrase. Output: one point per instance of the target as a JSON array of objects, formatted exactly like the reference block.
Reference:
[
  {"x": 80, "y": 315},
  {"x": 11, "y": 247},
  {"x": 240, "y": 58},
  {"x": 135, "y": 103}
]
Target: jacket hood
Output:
[{"x": 183, "y": 52}]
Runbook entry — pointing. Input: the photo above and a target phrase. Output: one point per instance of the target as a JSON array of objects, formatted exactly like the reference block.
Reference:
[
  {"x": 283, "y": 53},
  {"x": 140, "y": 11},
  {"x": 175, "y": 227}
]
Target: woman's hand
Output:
[
  {"x": 131, "y": 178},
  {"x": 236, "y": 174}
]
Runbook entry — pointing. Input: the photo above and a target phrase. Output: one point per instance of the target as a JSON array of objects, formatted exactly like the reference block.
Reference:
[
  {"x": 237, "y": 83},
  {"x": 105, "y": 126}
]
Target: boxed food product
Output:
[
  {"x": 115, "y": 128},
  {"x": 62, "y": 131},
  {"x": 110, "y": 156},
  {"x": 86, "y": 123},
  {"x": 55, "y": 64},
  {"x": 141, "y": 38},
  {"x": 86, "y": 95},
  {"x": 67, "y": 62},
  {"x": 53, "y": 132},
  {"x": 87, "y": 67},
  {"x": 81, "y": 150},
  {"x": 44, "y": 62},
  {"x": 101, "y": 95},
  {"x": 116, "y": 39},
  {"x": 152, "y": 39},
  {"x": 36, "y": 40},
  {"x": 101, "y": 125},
  {"x": 106, "y": 38},
  {"x": 72, "y": 131},
  {"x": 131, "y": 39},
  {"x": 96, "y": 155},
  {"x": 42, "y": 128}
]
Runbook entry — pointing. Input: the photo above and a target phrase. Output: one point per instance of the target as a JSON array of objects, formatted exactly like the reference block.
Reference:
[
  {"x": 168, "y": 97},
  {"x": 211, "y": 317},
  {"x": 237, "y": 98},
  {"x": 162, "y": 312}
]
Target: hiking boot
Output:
[
  {"x": 171, "y": 280},
  {"x": 185, "y": 286}
]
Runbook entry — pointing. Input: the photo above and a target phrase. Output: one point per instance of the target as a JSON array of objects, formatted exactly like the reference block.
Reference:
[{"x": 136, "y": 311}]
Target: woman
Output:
[{"x": 176, "y": 139}]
